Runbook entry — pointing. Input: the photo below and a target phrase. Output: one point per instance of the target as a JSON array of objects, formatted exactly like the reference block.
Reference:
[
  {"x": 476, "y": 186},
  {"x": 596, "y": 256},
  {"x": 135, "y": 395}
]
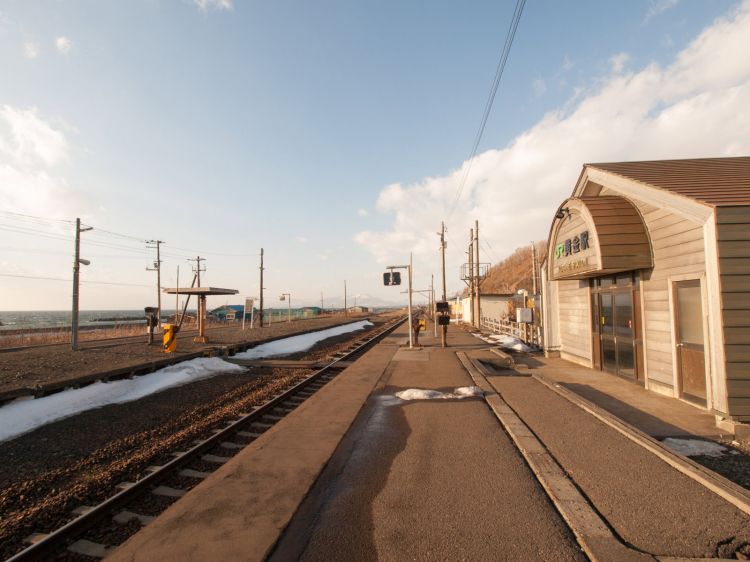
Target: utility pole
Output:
[
  {"x": 533, "y": 268},
  {"x": 477, "y": 283},
  {"x": 157, "y": 268},
  {"x": 76, "y": 272},
  {"x": 411, "y": 328},
  {"x": 471, "y": 277},
  {"x": 198, "y": 269},
  {"x": 321, "y": 301},
  {"x": 346, "y": 312},
  {"x": 260, "y": 311},
  {"x": 442, "y": 258}
]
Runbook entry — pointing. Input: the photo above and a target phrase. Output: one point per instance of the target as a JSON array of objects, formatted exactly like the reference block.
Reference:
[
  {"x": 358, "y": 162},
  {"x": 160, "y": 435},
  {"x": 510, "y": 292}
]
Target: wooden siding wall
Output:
[
  {"x": 678, "y": 248},
  {"x": 733, "y": 234},
  {"x": 574, "y": 318}
]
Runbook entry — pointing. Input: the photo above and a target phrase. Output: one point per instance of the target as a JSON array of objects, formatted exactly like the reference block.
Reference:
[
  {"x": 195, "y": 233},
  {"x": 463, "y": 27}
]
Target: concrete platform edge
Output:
[
  {"x": 592, "y": 533},
  {"x": 726, "y": 489}
]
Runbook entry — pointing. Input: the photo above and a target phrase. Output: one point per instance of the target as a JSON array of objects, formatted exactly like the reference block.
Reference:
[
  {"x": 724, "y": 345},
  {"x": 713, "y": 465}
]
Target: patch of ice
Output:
[
  {"x": 509, "y": 342},
  {"x": 422, "y": 394},
  {"x": 302, "y": 342},
  {"x": 23, "y": 416},
  {"x": 419, "y": 394},
  {"x": 695, "y": 447}
]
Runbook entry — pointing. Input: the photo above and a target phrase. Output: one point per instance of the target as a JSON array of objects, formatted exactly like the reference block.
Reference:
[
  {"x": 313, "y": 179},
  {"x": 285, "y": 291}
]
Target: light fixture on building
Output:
[{"x": 561, "y": 212}]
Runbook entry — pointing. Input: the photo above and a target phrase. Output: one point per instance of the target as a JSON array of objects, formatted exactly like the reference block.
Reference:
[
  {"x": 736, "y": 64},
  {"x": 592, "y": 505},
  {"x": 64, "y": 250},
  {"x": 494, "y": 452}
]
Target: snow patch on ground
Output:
[
  {"x": 302, "y": 342},
  {"x": 509, "y": 342},
  {"x": 422, "y": 394},
  {"x": 23, "y": 416},
  {"x": 505, "y": 342},
  {"x": 695, "y": 447}
]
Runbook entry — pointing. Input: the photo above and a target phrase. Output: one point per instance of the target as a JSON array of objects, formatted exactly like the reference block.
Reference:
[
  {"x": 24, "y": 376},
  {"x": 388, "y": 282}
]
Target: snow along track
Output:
[{"x": 245, "y": 428}]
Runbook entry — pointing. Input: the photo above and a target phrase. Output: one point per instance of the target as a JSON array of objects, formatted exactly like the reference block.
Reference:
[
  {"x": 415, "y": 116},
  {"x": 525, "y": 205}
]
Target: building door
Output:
[
  {"x": 615, "y": 345},
  {"x": 691, "y": 357}
]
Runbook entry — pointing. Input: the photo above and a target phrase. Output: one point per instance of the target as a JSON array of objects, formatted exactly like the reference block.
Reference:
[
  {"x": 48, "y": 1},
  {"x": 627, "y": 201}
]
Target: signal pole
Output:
[
  {"x": 157, "y": 268},
  {"x": 76, "y": 271},
  {"x": 442, "y": 259},
  {"x": 471, "y": 276},
  {"x": 260, "y": 311},
  {"x": 533, "y": 268},
  {"x": 476, "y": 270}
]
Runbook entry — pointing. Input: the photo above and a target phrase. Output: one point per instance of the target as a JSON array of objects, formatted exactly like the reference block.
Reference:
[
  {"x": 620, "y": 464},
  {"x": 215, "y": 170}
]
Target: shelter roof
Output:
[
  {"x": 201, "y": 291},
  {"x": 712, "y": 181}
]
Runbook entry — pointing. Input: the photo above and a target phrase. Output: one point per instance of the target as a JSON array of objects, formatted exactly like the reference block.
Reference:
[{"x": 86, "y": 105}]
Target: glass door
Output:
[
  {"x": 615, "y": 328},
  {"x": 624, "y": 334},
  {"x": 609, "y": 349}
]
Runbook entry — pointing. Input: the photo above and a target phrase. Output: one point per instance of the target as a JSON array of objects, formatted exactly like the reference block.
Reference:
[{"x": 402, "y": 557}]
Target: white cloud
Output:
[
  {"x": 63, "y": 45},
  {"x": 30, "y": 50},
  {"x": 567, "y": 63},
  {"x": 696, "y": 106},
  {"x": 618, "y": 62},
  {"x": 301, "y": 239},
  {"x": 657, "y": 7},
  {"x": 29, "y": 150},
  {"x": 539, "y": 86},
  {"x": 205, "y": 5},
  {"x": 362, "y": 212},
  {"x": 27, "y": 139}
]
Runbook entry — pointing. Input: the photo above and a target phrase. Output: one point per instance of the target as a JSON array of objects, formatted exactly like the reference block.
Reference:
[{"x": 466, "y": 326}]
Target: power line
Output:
[
  {"x": 42, "y": 278},
  {"x": 490, "y": 100},
  {"x": 37, "y": 218},
  {"x": 490, "y": 250}
]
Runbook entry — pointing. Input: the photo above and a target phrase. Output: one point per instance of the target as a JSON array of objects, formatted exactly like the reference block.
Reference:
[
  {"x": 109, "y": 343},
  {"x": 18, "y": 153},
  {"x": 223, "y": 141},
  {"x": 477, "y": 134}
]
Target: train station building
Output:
[{"x": 647, "y": 277}]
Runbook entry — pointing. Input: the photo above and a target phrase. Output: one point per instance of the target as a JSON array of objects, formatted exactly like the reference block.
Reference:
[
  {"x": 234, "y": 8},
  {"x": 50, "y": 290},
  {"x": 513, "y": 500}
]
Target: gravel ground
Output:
[
  {"x": 77, "y": 461},
  {"x": 29, "y": 368}
]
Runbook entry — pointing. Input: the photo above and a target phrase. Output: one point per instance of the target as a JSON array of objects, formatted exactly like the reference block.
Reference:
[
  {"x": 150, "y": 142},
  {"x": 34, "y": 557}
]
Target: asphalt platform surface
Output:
[{"x": 427, "y": 480}]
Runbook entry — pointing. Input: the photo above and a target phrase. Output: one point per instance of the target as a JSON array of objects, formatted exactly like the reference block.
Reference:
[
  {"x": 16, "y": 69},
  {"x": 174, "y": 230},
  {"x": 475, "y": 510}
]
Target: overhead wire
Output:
[
  {"x": 488, "y": 104},
  {"x": 82, "y": 281}
]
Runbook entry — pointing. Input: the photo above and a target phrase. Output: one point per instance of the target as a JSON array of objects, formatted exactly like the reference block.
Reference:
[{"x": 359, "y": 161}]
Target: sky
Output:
[{"x": 333, "y": 134}]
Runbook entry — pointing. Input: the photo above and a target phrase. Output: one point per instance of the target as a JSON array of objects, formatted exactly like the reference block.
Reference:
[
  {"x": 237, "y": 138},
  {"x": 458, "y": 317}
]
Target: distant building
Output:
[
  {"x": 228, "y": 313},
  {"x": 493, "y": 305},
  {"x": 357, "y": 309}
]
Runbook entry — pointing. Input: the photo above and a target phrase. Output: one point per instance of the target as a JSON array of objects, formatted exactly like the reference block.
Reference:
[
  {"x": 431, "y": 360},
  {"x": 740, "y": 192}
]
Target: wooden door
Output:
[{"x": 691, "y": 357}]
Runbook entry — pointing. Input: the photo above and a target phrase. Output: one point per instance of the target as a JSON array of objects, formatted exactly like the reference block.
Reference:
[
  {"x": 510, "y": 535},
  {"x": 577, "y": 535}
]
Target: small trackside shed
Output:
[{"x": 648, "y": 277}]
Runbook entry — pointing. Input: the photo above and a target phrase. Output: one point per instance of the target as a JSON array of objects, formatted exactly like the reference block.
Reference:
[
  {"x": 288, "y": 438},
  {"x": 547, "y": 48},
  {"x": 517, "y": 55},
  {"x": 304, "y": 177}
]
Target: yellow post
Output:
[{"x": 169, "y": 338}]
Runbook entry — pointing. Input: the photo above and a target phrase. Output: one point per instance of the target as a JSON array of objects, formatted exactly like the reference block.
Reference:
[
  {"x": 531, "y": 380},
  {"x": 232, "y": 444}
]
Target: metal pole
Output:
[
  {"x": 260, "y": 309},
  {"x": 177, "y": 297},
  {"x": 444, "y": 335},
  {"x": 289, "y": 308},
  {"x": 476, "y": 268},
  {"x": 432, "y": 295},
  {"x": 411, "y": 341},
  {"x": 533, "y": 268},
  {"x": 471, "y": 277},
  {"x": 346, "y": 312},
  {"x": 76, "y": 268}
]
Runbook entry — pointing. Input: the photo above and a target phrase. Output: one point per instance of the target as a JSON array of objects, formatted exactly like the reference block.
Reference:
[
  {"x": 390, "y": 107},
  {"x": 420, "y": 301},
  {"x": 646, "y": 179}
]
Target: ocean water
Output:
[{"x": 29, "y": 319}]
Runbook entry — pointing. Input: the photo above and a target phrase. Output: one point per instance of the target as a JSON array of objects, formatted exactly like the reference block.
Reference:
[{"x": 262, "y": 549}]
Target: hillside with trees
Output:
[{"x": 515, "y": 271}]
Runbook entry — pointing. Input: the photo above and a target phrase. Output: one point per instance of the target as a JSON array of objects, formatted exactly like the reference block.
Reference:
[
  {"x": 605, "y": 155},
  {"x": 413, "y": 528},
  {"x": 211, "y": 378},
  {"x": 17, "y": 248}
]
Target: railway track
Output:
[{"x": 93, "y": 529}]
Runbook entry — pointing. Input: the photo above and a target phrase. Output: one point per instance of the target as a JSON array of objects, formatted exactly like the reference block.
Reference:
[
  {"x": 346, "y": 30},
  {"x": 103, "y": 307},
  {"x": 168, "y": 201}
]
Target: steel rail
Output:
[{"x": 52, "y": 542}]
